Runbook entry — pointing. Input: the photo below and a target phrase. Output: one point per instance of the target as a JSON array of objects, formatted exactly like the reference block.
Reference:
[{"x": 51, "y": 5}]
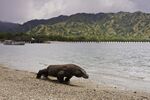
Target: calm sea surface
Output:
[{"x": 126, "y": 65}]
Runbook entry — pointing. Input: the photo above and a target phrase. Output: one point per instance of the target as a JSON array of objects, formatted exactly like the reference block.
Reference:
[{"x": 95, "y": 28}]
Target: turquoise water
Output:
[{"x": 126, "y": 65}]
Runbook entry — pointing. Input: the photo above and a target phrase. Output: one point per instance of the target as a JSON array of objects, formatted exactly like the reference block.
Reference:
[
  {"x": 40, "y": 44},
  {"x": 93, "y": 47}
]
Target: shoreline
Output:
[{"x": 23, "y": 85}]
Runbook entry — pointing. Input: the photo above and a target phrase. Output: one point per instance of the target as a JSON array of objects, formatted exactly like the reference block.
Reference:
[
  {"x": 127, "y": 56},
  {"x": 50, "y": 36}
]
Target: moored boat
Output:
[
  {"x": 11, "y": 42},
  {"x": 19, "y": 43}
]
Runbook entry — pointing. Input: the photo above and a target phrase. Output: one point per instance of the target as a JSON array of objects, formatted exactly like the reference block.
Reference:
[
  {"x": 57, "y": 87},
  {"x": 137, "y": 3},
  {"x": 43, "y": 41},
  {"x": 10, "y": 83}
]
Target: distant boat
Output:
[
  {"x": 11, "y": 42},
  {"x": 19, "y": 43}
]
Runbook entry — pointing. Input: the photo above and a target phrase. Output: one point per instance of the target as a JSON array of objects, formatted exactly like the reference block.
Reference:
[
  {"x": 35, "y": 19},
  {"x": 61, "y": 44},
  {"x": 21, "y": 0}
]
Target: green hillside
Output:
[{"x": 121, "y": 26}]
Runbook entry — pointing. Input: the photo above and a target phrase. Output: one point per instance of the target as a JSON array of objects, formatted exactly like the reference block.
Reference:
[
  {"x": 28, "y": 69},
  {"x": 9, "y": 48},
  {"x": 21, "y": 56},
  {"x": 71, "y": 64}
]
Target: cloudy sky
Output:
[{"x": 20, "y": 11}]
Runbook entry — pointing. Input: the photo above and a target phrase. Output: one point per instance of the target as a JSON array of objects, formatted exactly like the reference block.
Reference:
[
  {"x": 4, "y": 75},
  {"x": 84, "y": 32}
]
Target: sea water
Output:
[{"x": 122, "y": 64}]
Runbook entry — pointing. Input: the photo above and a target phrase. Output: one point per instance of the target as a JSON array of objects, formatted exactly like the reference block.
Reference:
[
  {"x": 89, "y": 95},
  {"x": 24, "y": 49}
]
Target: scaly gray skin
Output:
[{"x": 66, "y": 71}]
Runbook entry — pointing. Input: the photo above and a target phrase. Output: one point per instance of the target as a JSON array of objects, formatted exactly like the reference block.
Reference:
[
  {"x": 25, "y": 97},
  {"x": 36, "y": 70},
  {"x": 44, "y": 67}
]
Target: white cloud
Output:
[
  {"x": 24, "y": 10},
  {"x": 53, "y": 8},
  {"x": 47, "y": 9}
]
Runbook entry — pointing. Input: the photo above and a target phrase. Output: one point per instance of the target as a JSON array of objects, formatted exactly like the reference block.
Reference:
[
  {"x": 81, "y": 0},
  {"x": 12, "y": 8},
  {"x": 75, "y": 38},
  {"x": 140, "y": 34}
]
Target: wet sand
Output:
[{"x": 22, "y": 85}]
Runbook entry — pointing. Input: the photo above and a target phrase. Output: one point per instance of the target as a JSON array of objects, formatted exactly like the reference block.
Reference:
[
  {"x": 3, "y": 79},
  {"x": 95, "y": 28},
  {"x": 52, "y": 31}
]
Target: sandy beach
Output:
[{"x": 22, "y": 85}]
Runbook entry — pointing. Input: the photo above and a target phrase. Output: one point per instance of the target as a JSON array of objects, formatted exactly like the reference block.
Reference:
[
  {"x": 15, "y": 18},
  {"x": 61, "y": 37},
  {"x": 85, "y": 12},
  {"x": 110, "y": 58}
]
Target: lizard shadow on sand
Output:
[{"x": 57, "y": 82}]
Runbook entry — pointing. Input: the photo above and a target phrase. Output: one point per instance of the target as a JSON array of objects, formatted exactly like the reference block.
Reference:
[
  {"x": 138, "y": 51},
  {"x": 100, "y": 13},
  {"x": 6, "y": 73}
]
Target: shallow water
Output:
[{"x": 126, "y": 65}]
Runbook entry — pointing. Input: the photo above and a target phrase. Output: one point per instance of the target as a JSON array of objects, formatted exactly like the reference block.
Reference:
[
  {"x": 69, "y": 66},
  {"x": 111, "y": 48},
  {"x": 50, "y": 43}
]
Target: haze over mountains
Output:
[{"x": 100, "y": 26}]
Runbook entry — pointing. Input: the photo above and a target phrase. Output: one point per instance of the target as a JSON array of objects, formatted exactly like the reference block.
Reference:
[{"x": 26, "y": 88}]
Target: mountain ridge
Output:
[{"x": 90, "y": 27}]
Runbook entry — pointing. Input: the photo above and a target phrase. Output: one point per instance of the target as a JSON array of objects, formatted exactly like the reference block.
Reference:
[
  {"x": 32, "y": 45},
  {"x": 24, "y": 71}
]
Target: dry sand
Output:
[{"x": 22, "y": 85}]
